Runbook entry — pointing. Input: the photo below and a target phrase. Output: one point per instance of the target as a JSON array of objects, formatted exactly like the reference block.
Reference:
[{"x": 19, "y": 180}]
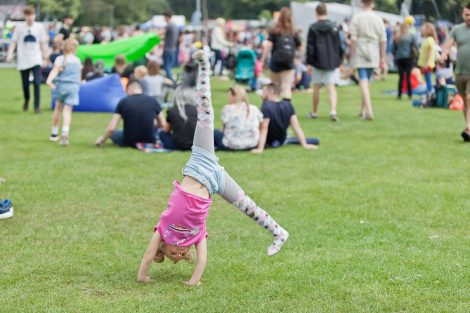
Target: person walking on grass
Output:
[
  {"x": 402, "y": 49},
  {"x": 368, "y": 45},
  {"x": 218, "y": 43},
  {"x": 169, "y": 45},
  {"x": 283, "y": 43},
  {"x": 65, "y": 80},
  {"x": 183, "y": 223},
  {"x": 427, "y": 56},
  {"x": 30, "y": 39},
  {"x": 460, "y": 36},
  {"x": 325, "y": 54}
]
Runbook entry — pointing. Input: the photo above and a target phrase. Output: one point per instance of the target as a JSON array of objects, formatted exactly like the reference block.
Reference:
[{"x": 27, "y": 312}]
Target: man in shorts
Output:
[
  {"x": 324, "y": 54},
  {"x": 460, "y": 36}
]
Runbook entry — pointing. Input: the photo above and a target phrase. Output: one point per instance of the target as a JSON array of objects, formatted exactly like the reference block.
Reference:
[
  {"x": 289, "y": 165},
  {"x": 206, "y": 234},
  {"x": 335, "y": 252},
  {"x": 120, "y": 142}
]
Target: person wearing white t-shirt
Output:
[{"x": 30, "y": 39}]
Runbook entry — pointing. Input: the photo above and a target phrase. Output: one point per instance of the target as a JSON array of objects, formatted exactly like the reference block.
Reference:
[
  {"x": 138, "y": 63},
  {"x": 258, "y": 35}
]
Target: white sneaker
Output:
[
  {"x": 54, "y": 137},
  {"x": 312, "y": 115},
  {"x": 64, "y": 140},
  {"x": 200, "y": 56},
  {"x": 278, "y": 242},
  {"x": 6, "y": 209}
]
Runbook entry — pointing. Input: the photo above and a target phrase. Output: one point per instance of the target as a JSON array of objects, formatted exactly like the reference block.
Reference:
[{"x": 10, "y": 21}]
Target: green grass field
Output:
[{"x": 379, "y": 216}]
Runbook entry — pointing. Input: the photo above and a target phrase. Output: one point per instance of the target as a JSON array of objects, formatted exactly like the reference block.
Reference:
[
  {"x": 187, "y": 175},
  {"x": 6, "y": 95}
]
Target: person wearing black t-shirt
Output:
[
  {"x": 178, "y": 134},
  {"x": 277, "y": 117},
  {"x": 66, "y": 28},
  {"x": 139, "y": 113}
]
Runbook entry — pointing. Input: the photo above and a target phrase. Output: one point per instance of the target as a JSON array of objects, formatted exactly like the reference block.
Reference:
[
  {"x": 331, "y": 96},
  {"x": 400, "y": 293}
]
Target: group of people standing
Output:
[{"x": 324, "y": 54}]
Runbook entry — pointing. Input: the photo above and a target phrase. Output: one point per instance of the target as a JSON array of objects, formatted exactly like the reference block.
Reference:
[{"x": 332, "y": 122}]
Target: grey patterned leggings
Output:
[{"x": 204, "y": 139}]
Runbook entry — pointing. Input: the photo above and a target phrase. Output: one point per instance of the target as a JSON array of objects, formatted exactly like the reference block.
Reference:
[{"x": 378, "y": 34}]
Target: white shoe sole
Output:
[
  {"x": 6, "y": 215},
  {"x": 274, "y": 252}
]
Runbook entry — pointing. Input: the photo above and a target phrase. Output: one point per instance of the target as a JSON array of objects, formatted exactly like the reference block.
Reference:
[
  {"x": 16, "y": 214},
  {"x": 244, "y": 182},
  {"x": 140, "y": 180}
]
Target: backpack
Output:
[{"x": 284, "y": 52}]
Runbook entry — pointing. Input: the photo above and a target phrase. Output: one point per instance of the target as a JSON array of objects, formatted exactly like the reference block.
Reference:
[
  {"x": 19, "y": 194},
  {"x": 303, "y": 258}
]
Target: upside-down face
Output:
[{"x": 174, "y": 253}]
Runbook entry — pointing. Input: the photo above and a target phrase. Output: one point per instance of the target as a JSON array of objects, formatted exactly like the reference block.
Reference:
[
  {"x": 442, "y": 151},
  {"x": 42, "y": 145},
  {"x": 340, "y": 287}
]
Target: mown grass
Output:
[{"x": 378, "y": 216}]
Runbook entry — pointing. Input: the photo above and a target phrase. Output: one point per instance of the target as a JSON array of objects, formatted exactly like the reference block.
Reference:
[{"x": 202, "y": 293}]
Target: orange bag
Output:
[{"x": 456, "y": 103}]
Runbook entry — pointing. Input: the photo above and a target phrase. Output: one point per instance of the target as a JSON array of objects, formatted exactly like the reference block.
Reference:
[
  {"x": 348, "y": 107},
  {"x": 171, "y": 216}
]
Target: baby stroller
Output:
[{"x": 245, "y": 70}]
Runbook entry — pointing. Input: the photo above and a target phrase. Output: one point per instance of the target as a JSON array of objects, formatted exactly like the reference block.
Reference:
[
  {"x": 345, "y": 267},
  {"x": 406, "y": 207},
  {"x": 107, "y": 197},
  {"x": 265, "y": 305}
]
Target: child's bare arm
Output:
[
  {"x": 201, "y": 249},
  {"x": 148, "y": 257},
  {"x": 294, "y": 123},
  {"x": 52, "y": 76}
]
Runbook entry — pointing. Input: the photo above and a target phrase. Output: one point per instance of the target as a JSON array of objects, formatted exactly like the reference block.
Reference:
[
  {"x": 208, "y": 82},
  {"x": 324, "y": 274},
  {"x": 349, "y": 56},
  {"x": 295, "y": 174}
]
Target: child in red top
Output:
[{"x": 183, "y": 223}]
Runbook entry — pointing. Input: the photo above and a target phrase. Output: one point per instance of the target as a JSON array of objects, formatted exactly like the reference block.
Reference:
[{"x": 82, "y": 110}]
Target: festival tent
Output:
[
  {"x": 133, "y": 48},
  {"x": 98, "y": 95}
]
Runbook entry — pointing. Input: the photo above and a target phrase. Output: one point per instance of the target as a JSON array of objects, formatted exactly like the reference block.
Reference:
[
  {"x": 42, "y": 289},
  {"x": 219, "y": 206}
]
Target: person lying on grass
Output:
[{"x": 183, "y": 223}]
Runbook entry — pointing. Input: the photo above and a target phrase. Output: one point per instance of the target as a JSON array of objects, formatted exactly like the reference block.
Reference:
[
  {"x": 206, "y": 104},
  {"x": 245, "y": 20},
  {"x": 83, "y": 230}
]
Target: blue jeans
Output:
[
  {"x": 428, "y": 78},
  {"x": 218, "y": 57},
  {"x": 168, "y": 61},
  {"x": 294, "y": 141},
  {"x": 116, "y": 137},
  {"x": 304, "y": 81},
  {"x": 168, "y": 142},
  {"x": 364, "y": 73}
]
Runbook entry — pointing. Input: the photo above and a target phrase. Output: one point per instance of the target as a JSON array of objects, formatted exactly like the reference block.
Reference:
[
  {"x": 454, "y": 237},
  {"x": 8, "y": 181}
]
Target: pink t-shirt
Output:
[{"x": 183, "y": 223}]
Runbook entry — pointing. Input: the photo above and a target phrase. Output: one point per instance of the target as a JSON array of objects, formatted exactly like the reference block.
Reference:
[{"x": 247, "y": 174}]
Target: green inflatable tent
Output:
[{"x": 133, "y": 48}]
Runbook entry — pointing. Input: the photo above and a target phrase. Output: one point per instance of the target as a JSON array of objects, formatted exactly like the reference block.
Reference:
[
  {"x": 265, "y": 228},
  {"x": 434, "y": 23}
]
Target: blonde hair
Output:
[
  {"x": 160, "y": 256},
  {"x": 70, "y": 45},
  {"x": 429, "y": 30},
  {"x": 241, "y": 97},
  {"x": 403, "y": 30},
  {"x": 140, "y": 71}
]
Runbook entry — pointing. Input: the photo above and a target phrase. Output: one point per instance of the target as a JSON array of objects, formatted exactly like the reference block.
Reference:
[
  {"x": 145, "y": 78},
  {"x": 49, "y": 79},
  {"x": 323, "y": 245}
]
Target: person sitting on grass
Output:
[
  {"x": 139, "y": 74},
  {"x": 181, "y": 120},
  {"x": 183, "y": 223},
  {"x": 155, "y": 80},
  {"x": 65, "y": 80},
  {"x": 278, "y": 116},
  {"x": 241, "y": 122},
  {"x": 98, "y": 71},
  {"x": 121, "y": 67},
  {"x": 139, "y": 113}
]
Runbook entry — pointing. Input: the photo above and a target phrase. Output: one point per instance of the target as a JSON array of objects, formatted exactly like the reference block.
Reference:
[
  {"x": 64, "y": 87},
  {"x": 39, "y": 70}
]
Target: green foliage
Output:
[
  {"x": 91, "y": 12},
  {"x": 378, "y": 216},
  {"x": 57, "y": 9}
]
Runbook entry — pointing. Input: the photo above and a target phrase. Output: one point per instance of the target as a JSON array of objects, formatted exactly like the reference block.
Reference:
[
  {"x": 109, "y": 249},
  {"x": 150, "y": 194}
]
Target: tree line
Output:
[{"x": 117, "y": 12}]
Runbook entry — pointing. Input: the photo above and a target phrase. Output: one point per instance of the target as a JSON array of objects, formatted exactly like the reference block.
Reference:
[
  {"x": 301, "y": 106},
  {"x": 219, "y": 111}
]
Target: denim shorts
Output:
[
  {"x": 203, "y": 166},
  {"x": 364, "y": 73},
  {"x": 67, "y": 93}
]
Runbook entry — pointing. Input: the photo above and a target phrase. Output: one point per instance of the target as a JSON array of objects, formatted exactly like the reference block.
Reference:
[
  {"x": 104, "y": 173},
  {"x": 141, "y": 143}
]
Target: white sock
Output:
[
  {"x": 55, "y": 130},
  {"x": 65, "y": 130}
]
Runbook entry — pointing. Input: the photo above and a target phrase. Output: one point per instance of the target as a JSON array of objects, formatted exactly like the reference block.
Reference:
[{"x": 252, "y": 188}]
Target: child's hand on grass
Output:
[
  {"x": 257, "y": 150},
  {"x": 310, "y": 147},
  {"x": 99, "y": 141},
  {"x": 144, "y": 279},
  {"x": 192, "y": 284}
]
